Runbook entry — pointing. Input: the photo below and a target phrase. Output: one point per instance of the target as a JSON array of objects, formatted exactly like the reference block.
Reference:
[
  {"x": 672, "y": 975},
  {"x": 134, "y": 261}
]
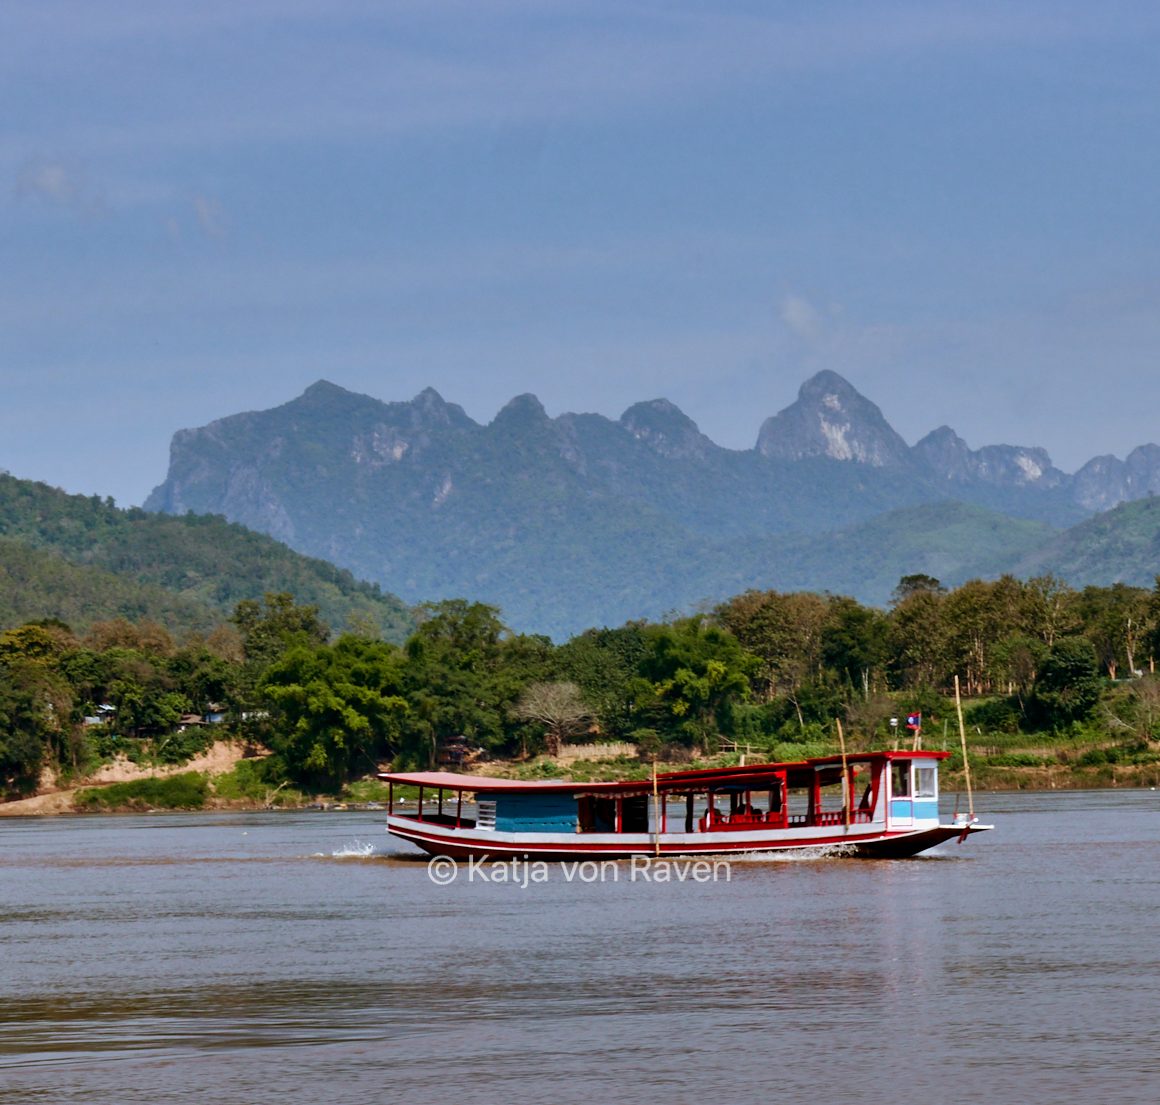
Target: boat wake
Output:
[
  {"x": 797, "y": 855},
  {"x": 356, "y": 849}
]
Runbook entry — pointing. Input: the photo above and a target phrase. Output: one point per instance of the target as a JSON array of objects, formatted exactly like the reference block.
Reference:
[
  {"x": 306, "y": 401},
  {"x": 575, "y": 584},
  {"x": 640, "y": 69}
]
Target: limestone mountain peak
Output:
[
  {"x": 831, "y": 418},
  {"x": 666, "y": 428},
  {"x": 521, "y": 410}
]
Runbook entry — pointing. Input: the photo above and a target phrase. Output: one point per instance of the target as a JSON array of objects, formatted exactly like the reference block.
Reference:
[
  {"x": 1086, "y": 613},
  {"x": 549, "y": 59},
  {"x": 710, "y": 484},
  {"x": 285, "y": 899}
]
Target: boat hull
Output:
[{"x": 869, "y": 841}]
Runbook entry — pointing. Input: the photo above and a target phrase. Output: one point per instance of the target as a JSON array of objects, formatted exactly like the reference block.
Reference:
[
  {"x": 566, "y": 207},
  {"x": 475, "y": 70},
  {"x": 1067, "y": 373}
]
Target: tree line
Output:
[{"x": 762, "y": 668}]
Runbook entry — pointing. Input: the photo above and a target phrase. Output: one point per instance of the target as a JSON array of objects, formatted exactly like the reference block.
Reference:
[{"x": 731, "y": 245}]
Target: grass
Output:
[
  {"x": 370, "y": 790},
  {"x": 256, "y": 781}
]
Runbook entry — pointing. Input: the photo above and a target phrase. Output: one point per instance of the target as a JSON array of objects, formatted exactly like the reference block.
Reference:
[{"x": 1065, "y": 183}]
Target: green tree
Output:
[
  {"x": 606, "y": 665},
  {"x": 455, "y": 682},
  {"x": 696, "y": 670},
  {"x": 37, "y": 723},
  {"x": 1015, "y": 661},
  {"x": 1049, "y": 609},
  {"x": 977, "y": 616},
  {"x": 138, "y": 686},
  {"x": 854, "y": 642},
  {"x": 918, "y": 639},
  {"x": 784, "y": 632},
  {"x": 1116, "y": 621},
  {"x": 35, "y": 720},
  {"x": 340, "y": 708},
  {"x": 37, "y": 641},
  {"x": 1068, "y": 685},
  {"x": 917, "y": 584},
  {"x": 274, "y": 626},
  {"x": 206, "y": 679}
]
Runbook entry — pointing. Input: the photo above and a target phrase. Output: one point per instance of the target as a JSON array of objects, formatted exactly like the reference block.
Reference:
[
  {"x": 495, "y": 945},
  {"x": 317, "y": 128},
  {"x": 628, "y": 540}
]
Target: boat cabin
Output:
[{"x": 809, "y": 801}]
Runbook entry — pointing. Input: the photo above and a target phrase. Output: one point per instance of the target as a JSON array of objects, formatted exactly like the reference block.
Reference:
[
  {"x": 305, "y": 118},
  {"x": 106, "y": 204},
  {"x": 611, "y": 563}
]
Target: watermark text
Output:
[{"x": 442, "y": 870}]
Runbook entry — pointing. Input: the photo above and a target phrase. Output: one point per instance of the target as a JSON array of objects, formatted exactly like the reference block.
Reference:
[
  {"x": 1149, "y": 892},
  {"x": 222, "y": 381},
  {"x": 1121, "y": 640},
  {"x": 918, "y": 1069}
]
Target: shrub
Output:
[
  {"x": 252, "y": 779},
  {"x": 365, "y": 790},
  {"x": 1097, "y": 757},
  {"x": 1018, "y": 759},
  {"x": 1001, "y": 715},
  {"x": 176, "y": 792},
  {"x": 179, "y": 748}
]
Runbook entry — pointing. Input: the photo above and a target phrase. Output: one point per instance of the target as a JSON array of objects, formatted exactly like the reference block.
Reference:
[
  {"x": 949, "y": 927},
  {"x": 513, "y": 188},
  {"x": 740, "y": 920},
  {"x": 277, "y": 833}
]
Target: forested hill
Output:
[
  {"x": 82, "y": 559},
  {"x": 39, "y": 583},
  {"x": 1119, "y": 546}
]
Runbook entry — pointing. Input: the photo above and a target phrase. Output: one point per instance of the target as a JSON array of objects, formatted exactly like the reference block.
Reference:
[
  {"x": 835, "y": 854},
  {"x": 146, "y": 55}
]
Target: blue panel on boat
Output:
[
  {"x": 535, "y": 813},
  {"x": 901, "y": 807},
  {"x": 926, "y": 807}
]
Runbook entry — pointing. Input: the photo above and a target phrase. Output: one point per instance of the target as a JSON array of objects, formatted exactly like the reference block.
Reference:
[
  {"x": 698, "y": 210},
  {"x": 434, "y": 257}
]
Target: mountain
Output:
[
  {"x": 579, "y": 520},
  {"x": 82, "y": 559},
  {"x": 1105, "y": 481},
  {"x": 948, "y": 457},
  {"x": 831, "y": 419}
]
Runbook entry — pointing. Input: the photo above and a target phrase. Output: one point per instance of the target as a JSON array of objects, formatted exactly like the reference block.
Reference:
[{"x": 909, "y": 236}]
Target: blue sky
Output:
[{"x": 209, "y": 206}]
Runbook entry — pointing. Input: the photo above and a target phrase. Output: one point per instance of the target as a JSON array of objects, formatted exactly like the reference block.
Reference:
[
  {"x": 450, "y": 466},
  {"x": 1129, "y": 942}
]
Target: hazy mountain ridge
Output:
[
  {"x": 578, "y": 520},
  {"x": 1121, "y": 545}
]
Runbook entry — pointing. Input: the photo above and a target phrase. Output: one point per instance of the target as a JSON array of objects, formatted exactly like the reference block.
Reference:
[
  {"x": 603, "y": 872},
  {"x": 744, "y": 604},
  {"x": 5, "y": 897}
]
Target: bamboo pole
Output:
[
  {"x": 656, "y": 813},
  {"x": 845, "y": 774},
  {"x": 963, "y": 739}
]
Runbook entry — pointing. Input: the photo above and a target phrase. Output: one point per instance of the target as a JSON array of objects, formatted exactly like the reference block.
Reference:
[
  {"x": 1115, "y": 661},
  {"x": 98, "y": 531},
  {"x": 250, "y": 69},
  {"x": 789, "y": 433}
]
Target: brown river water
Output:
[{"x": 258, "y": 958}]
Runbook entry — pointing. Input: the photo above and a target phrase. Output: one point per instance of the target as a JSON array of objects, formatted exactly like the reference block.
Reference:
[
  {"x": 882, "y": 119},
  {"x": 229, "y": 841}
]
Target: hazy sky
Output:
[{"x": 210, "y": 205}]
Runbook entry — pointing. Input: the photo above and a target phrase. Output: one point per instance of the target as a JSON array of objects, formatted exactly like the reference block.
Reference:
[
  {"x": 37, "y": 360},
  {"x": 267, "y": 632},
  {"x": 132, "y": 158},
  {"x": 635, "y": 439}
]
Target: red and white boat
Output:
[{"x": 873, "y": 804}]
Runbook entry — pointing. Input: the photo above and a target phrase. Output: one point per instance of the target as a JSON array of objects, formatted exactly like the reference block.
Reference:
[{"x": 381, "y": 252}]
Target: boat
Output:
[{"x": 873, "y": 804}]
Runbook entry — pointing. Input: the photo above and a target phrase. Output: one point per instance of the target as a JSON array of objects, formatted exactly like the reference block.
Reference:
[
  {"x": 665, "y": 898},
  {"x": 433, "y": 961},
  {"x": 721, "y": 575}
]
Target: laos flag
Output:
[{"x": 914, "y": 721}]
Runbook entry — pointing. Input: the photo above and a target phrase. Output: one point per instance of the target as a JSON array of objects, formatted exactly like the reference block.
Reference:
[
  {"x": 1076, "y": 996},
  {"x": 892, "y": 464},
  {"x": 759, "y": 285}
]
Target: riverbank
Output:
[
  {"x": 219, "y": 759},
  {"x": 1054, "y": 777},
  {"x": 223, "y": 758}
]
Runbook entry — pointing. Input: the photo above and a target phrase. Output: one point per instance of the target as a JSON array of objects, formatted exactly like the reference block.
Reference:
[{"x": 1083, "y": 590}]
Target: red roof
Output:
[
  {"x": 667, "y": 781},
  {"x": 451, "y": 780}
]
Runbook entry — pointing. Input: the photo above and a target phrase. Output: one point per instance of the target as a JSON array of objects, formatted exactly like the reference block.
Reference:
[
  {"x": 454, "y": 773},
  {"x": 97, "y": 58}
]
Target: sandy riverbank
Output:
[{"x": 217, "y": 760}]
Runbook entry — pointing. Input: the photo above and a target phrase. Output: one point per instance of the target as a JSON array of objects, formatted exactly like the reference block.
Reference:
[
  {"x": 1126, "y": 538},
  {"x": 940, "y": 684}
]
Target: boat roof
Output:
[{"x": 701, "y": 778}]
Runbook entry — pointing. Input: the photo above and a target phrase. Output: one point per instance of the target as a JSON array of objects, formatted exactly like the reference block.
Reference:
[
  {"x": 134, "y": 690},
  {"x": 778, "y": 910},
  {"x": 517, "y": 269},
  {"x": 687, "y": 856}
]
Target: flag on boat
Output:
[{"x": 914, "y": 721}]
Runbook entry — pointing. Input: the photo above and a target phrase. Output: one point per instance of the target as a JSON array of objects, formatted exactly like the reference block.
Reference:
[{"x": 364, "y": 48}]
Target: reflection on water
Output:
[{"x": 227, "y": 959}]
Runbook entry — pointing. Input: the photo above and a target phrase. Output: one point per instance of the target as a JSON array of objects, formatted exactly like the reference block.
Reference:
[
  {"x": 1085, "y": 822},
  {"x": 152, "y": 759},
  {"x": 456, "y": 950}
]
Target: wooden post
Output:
[
  {"x": 963, "y": 739},
  {"x": 656, "y": 813},
  {"x": 845, "y": 775}
]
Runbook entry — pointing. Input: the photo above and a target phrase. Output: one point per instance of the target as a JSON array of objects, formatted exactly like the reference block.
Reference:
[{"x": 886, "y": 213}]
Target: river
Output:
[{"x": 262, "y": 957}]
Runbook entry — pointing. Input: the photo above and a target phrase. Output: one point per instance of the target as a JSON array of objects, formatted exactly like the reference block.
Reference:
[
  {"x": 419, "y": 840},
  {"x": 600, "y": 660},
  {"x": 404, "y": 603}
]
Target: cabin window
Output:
[
  {"x": 831, "y": 803},
  {"x": 799, "y": 803},
  {"x": 925, "y": 782},
  {"x": 900, "y": 778},
  {"x": 775, "y": 800},
  {"x": 596, "y": 815},
  {"x": 634, "y": 814}
]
